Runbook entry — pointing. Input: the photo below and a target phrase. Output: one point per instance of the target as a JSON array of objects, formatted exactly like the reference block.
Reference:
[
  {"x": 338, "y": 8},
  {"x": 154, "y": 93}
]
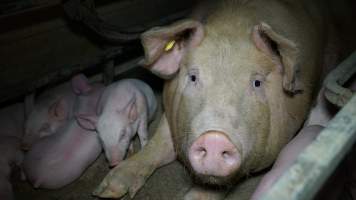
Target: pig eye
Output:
[
  {"x": 193, "y": 75},
  {"x": 257, "y": 83}
]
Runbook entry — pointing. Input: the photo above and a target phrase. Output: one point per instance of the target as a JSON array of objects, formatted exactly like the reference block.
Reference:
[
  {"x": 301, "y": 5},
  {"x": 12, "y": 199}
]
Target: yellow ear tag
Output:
[{"x": 169, "y": 45}]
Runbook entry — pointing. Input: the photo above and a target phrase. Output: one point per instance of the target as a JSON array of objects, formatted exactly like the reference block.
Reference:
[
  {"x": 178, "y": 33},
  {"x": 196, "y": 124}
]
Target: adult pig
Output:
[
  {"x": 124, "y": 109},
  {"x": 51, "y": 110},
  {"x": 11, "y": 156},
  {"x": 57, "y": 160},
  {"x": 238, "y": 87}
]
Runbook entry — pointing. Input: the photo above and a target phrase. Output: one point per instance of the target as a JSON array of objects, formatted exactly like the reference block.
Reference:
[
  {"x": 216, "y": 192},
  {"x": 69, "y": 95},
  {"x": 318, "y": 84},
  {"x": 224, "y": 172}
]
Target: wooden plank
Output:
[{"x": 316, "y": 163}]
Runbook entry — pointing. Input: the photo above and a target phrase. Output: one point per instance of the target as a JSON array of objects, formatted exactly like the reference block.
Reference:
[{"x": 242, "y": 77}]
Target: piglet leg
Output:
[{"x": 130, "y": 175}]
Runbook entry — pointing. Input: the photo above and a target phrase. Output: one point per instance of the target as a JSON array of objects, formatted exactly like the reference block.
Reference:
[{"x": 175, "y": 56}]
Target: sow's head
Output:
[{"x": 230, "y": 94}]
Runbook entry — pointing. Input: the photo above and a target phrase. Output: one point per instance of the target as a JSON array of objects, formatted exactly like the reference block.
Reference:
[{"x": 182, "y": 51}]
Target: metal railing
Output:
[{"x": 317, "y": 162}]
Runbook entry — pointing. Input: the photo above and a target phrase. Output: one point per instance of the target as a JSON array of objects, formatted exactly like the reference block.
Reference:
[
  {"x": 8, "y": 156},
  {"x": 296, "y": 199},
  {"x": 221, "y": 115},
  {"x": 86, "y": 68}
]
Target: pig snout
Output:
[
  {"x": 113, "y": 155},
  {"x": 214, "y": 154},
  {"x": 113, "y": 163}
]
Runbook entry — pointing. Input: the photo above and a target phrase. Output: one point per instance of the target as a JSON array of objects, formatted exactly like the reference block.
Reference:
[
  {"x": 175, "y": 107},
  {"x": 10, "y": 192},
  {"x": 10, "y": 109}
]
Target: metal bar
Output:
[
  {"x": 316, "y": 163},
  {"x": 334, "y": 92},
  {"x": 120, "y": 69},
  {"x": 64, "y": 73}
]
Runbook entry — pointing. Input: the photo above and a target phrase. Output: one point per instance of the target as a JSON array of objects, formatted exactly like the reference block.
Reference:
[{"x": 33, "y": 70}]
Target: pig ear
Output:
[
  {"x": 165, "y": 47},
  {"x": 284, "y": 53},
  {"x": 86, "y": 121},
  {"x": 130, "y": 110},
  {"x": 80, "y": 84},
  {"x": 59, "y": 109}
]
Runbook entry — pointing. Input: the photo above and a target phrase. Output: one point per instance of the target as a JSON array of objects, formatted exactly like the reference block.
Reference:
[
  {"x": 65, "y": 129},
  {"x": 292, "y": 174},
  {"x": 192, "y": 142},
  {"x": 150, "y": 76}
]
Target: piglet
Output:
[
  {"x": 51, "y": 110},
  {"x": 57, "y": 160},
  {"x": 11, "y": 156},
  {"x": 125, "y": 108}
]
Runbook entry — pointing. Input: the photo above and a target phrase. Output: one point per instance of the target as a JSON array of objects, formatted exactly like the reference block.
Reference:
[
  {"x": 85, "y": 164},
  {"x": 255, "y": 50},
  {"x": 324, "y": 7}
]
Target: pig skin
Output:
[
  {"x": 48, "y": 112},
  {"x": 125, "y": 108},
  {"x": 57, "y": 160},
  {"x": 244, "y": 74}
]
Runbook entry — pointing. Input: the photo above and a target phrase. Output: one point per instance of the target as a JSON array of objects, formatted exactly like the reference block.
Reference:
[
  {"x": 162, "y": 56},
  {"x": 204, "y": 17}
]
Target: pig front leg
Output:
[{"x": 130, "y": 175}]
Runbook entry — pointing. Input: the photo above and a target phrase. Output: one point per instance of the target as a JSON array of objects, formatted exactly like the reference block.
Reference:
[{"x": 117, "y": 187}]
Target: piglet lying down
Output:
[
  {"x": 57, "y": 160},
  {"x": 49, "y": 111},
  {"x": 124, "y": 109}
]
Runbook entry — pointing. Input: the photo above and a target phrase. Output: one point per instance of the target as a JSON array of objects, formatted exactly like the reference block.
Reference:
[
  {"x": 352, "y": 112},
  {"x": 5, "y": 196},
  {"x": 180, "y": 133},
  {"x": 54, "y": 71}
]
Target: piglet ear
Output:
[
  {"x": 59, "y": 109},
  {"x": 133, "y": 112},
  {"x": 80, "y": 84},
  {"x": 283, "y": 52},
  {"x": 165, "y": 47},
  {"x": 130, "y": 110},
  {"x": 86, "y": 121}
]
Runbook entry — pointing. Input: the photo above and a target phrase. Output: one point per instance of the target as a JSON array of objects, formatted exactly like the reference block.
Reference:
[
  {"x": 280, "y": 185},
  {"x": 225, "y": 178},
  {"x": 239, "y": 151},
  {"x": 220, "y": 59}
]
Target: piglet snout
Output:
[
  {"x": 214, "y": 154},
  {"x": 113, "y": 163}
]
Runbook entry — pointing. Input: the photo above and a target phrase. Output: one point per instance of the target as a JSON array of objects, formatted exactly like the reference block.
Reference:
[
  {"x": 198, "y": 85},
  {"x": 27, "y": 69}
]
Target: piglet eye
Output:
[
  {"x": 257, "y": 83},
  {"x": 122, "y": 134}
]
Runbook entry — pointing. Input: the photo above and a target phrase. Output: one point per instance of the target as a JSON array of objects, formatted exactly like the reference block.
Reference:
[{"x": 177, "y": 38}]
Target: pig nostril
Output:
[
  {"x": 226, "y": 154},
  {"x": 201, "y": 151}
]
